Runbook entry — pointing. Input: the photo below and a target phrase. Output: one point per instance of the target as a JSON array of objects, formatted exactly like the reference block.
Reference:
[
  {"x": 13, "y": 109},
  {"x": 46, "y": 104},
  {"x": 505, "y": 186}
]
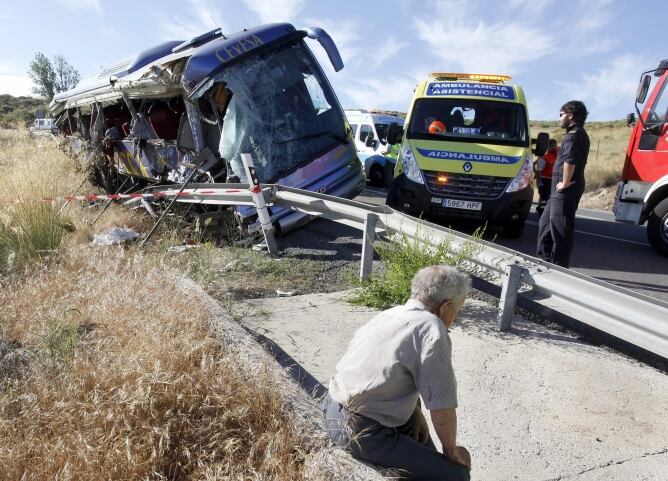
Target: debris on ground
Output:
[
  {"x": 285, "y": 293},
  {"x": 117, "y": 235},
  {"x": 181, "y": 249}
]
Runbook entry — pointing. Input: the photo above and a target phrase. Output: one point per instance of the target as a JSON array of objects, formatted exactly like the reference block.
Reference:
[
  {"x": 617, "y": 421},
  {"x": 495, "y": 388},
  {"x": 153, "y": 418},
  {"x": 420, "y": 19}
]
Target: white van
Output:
[
  {"x": 370, "y": 134},
  {"x": 43, "y": 126}
]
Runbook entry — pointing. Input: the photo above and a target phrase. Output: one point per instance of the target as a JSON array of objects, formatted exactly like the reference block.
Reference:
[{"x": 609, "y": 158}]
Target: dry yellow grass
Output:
[
  {"x": 119, "y": 375},
  {"x": 147, "y": 392},
  {"x": 608, "y": 141}
]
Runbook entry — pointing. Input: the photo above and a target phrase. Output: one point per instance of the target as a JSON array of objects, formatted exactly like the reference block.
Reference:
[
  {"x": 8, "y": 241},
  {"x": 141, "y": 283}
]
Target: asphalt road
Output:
[{"x": 610, "y": 251}]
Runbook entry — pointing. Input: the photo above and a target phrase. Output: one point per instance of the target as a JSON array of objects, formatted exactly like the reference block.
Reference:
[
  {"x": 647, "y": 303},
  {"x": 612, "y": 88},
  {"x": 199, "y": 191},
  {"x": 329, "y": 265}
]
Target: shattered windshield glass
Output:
[{"x": 281, "y": 111}]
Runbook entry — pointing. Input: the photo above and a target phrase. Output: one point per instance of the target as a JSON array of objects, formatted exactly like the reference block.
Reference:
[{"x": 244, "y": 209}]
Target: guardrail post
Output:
[
  {"x": 511, "y": 284},
  {"x": 367, "y": 245},
  {"x": 260, "y": 206}
]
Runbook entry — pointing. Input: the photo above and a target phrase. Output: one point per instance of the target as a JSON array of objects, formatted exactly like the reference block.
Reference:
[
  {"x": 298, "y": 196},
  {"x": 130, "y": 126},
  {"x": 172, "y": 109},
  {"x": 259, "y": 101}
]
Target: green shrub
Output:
[
  {"x": 402, "y": 258},
  {"x": 60, "y": 340},
  {"x": 31, "y": 231}
]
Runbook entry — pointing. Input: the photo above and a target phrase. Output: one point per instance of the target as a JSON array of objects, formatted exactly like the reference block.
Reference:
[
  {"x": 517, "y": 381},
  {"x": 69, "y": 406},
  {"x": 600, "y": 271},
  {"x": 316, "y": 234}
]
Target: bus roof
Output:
[{"x": 206, "y": 53}]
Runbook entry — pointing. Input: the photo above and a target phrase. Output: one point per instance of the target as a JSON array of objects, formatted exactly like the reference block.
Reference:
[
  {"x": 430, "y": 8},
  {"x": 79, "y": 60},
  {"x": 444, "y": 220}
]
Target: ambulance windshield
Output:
[{"x": 469, "y": 120}]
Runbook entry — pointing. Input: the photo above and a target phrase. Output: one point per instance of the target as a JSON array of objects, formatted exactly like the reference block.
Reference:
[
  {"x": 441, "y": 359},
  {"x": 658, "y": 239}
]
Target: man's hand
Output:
[
  {"x": 562, "y": 185},
  {"x": 420, "y": 430},
  {"x": 459, "y": 455},
  {"x": 567, "y": 181}
]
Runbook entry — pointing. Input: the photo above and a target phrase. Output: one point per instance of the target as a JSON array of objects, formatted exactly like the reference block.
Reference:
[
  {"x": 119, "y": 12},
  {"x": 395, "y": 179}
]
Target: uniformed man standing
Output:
[{"x": 557, "y": 224}]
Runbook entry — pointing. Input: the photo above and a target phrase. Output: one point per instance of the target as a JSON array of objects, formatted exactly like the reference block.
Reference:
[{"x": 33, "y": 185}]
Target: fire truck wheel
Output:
[{"x": 657, "y": 228}]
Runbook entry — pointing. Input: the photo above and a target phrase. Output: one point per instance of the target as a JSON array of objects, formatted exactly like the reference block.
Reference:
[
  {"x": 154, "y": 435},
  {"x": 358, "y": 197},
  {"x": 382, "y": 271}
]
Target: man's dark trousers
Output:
[
  {"x": 388, "y": 447},
  {"x": 556, "y": 227}
]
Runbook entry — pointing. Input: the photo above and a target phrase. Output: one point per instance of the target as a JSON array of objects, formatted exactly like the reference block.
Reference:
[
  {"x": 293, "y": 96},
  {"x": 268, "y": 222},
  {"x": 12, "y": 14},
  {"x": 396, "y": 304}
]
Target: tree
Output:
[
  {"x": 41, "y": 72},
  {"x": 66, "y": 76},
  {"x": 51, "y": 78}
]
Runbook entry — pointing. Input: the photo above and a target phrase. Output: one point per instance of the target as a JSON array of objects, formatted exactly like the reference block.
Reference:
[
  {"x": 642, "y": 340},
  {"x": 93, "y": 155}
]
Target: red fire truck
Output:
[{"x": 642, "y": 195}]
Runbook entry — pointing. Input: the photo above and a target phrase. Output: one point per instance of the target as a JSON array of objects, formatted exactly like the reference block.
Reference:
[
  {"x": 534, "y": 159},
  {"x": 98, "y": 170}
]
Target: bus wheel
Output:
[
  {"x": 376, "y": 176},
  {"x": 657, "y": 228},
  {"x": 512, "y": 229}
]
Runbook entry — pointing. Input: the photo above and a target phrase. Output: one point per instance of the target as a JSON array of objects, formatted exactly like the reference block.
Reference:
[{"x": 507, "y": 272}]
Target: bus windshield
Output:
[
  {"x": 279, "y": 108},
  {"x": 466, "y": 120}
]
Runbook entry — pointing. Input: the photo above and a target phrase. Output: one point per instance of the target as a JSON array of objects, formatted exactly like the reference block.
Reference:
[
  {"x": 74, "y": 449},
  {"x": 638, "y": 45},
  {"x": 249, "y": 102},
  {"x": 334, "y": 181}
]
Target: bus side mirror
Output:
[
  {"x": 184, "y": 140},
  {"x": 630, "y": 119},
  {"x": 643, "y": 88},
  {"x": 328, "y": 44},
  {"x": 394, "y": 133},
  {"x": 541, "y": 142}
]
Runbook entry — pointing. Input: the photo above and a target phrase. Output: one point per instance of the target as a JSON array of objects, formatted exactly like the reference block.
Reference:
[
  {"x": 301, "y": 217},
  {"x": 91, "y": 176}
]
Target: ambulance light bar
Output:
[{"x": 481, "y": 77}]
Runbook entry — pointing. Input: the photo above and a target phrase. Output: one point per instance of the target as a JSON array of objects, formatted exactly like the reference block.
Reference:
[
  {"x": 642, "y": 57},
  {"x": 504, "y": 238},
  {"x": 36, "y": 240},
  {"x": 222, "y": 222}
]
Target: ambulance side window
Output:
[
  {"x": 354, "y": 129},
  {"x": 365, "y": 130}
]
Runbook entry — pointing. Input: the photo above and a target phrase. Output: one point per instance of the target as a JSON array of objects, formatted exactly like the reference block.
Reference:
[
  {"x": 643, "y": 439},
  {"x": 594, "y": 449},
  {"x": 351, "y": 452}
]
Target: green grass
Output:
[
  {"x": 401, "y": 259},
  {"x": 30, "y": 231},
  {"x": 60, "y": 339}
]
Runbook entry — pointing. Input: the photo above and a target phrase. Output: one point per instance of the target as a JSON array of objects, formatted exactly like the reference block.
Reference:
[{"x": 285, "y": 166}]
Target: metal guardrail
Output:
[{"x": 633, "y": 317}]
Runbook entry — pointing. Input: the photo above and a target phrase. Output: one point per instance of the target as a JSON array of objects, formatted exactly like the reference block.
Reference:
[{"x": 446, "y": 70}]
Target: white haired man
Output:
[{"x": 373, "y": 405}]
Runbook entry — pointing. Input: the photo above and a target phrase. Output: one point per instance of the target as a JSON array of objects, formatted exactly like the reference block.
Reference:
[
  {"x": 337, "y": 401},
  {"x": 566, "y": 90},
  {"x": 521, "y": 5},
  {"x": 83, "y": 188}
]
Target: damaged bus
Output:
[{"x": 189, "y": 109}]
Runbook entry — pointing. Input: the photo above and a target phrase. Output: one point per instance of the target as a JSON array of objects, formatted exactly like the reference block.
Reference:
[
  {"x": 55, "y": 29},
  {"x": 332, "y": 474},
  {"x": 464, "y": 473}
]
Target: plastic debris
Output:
[
  {"x": 282, "y": 293},
  {"x": 181, "y": 249},
  {"x": 114, "y": 236}
]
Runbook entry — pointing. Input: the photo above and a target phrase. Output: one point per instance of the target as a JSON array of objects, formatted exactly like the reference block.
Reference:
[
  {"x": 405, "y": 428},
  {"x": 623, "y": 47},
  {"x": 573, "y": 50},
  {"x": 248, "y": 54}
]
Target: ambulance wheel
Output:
[
  {"x": 512, "y": 229},
  {"x": 376, "y": 177},
  {"x": 657, "y": 228}
]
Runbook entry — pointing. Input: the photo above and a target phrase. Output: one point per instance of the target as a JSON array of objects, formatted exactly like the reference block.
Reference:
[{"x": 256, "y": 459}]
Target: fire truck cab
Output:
[{"x": 642, "y": 195}]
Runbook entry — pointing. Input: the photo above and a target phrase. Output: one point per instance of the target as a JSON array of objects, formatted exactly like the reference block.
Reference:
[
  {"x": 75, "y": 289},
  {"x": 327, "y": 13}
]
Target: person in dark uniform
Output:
[{"x": 557, "y": 224}]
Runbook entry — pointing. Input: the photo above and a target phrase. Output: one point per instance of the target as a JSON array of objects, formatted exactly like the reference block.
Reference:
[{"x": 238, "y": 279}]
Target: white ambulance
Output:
[{"x": 370, "y": 133}]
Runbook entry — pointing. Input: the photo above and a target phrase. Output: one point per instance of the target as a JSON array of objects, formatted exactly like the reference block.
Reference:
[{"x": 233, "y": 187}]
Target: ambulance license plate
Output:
[{"x": 462, "y": 204}]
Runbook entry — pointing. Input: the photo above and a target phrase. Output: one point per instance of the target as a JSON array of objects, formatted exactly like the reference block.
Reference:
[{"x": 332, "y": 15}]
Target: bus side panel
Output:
[
  {"x": 338, "y": 172},
  {"x": 152, "y": 160}
]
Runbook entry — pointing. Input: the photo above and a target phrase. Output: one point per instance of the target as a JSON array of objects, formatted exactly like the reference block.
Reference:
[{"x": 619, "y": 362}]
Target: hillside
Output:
[{"x": 19, "y": 111}]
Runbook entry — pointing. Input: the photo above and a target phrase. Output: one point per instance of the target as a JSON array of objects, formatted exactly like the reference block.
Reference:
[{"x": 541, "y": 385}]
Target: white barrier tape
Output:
[{"x": 156, "y": 195}]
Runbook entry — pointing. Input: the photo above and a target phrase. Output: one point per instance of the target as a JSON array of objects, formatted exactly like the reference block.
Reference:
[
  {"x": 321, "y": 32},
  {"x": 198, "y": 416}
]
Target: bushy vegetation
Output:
[
  {"x": 30, "y": 229},
  {"x": 402, "y": 258},
  {"x": 19, "y": 111}
]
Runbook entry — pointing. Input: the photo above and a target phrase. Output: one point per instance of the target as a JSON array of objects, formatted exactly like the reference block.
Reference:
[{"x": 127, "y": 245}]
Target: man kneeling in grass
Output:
[{"x": 373, "y": 405}]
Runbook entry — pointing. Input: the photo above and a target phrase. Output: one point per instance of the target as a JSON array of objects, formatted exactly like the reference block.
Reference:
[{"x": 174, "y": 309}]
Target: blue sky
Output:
[{"x": 592, "y": 50}]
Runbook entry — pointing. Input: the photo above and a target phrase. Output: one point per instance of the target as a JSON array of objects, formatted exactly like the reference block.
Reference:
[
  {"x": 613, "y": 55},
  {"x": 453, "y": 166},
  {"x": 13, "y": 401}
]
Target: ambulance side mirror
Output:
[
  {"x": 541, "y": 142},
  {"x": 394, "y": 133}
]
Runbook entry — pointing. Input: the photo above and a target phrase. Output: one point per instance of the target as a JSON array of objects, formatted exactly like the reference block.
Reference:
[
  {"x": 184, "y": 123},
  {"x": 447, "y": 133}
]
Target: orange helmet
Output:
[{"x": 437, "y": 127}]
